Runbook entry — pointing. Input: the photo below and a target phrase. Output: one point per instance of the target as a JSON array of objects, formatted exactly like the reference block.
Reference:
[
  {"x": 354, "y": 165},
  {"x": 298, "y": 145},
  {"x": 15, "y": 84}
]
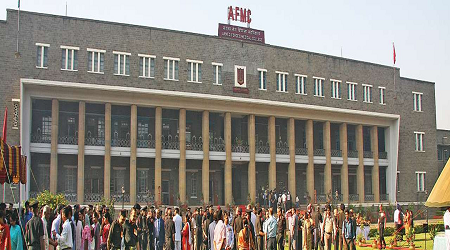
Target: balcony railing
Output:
[
  {"x": 216, "y": 144},
  {"x": 70, "y": 197},
  {"x": 262, "y": 148},
  {"x": 352, "y": 154},
  {"x": 94, "y": 141},
  {"x": 336, "y": 153},
  {"x": 384, "y": 197},
  {"x": 241, "y": 147},
  {"x": 144, "y": 198},
  {"x": 92, "y": 197},
  {"x": 170, "y": 142},
  {"x": 353, "y": 197},
  {"x": 368, "y": 154},
  {"x": 301, "y": 151},
  {"x": 118, "y": 198},
  {"x": 195, "y": 144},
  {"x": 339, "y": 198},
  {"x": 120, "y": 142},
  {"x": 38, "y": 137},
  {"x": 69, "y": 140},
  {"x": 382, "y": 155},
  {"x": 321, "y": 198},
  {"x": 282, "y": 148},
  {"x": 369, "y": 197},
  {"x": 319, "y": 152},
  {"x": 145, "y": 141}
]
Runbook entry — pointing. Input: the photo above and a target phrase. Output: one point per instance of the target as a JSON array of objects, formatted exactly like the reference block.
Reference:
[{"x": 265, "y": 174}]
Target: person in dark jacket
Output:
[
  {"x": 159, "y": 231},
  {"x": 130, "y": 231},
  {"x": 281, "y": 228},
  {"x": 115, "y": 233},
  {"x": 169, "y": 228}
]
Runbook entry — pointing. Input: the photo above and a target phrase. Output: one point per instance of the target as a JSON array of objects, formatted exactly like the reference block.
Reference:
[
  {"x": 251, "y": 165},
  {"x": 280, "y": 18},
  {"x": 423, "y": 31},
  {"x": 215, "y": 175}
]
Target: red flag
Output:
[
  {"x": 5, "y": 118},
  {"x": 395, "y": 56}
]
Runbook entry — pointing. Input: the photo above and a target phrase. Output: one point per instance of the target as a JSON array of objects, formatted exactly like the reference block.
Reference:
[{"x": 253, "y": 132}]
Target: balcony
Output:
[
  {"x": 384, "y": 197},
  {"x": 95, "y": 130},
  {"x": 195, "y": 143},
  {"x": 301, "y": 151},
  {"x": 369, "y": 197},
  {"x": 92, "y": 197},
  {"x": 319, "y": 152},
  {"x": 382, "y": 155},
  {"x": 145, "y": 141},
  {"x": 353, "y": 197},
  {"x": 322, "y": 198},
  {"x": 41, "y": 126},
  {"x": 338, "y": 198},
  {"x": 70, "y": 197},
  {"x": 118, "y": 198},
  {"x": 144, "y": 198},
  {"x": 352, "y": 154},
  {"x": 170, "y": 142},
  {"x": 216, "y": 144},
  {"x": 39, "y": 137},
  {"x": 69, "y": 140},
  {"x": 117, "y": 142},
  {"x": 262, "y": 148},
  {"x": 336, "y": 153},
  {"x": 239, "y": 146},
  {"x": 368, "y": 154},
  {"x": 282, "y": 148}
]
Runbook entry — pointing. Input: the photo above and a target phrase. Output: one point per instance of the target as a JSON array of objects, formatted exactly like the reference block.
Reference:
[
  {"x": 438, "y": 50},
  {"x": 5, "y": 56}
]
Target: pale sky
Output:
[{"x": 364, "y": 30}]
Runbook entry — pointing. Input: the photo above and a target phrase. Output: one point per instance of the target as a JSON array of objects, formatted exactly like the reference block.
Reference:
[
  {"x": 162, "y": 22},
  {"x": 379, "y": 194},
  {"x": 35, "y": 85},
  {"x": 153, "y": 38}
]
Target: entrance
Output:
[{"x": 165, "y": 192}]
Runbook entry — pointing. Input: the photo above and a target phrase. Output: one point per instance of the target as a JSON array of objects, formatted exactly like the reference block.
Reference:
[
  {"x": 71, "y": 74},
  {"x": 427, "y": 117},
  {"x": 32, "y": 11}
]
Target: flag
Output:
[
  {"x": 18, "y": 5},
  {"x": 23, "y": 170},
  {"x": 395, "y": 56},
  {"x": 4, "y": 161},
  {"x": 5, "y": 122}
]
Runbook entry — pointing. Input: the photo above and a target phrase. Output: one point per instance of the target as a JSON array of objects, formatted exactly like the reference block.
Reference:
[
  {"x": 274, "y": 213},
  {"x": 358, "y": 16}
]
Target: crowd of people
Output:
[{"x": 149, "y": 228}]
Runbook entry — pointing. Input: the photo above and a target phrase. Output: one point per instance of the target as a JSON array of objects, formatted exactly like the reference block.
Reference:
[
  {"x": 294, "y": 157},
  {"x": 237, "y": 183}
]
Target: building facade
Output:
[
  {"x": 443, "y": 147},
  {"x": 139, "y": 114}
]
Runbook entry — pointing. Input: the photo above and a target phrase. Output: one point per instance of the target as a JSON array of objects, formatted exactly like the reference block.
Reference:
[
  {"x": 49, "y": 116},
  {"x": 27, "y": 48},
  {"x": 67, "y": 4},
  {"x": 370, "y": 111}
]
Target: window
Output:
[
  {"x": 121, "y": 63},
  {"x": 318, "y": 86},
  {"x": 193, "y": 186},
  {"x": 42, "y": 55},
  {"x": 46, "y": 125},
  {"x": 417, "y": 101},
  {"x": 146, "y": 66},
  {"x": 300, "y": 84},
  {"x": 217, "y": 73},
  {"x": 439, "y": 151},
  {"x": 171, "y": 68},
  {"x": 69, "y": 58},
  {"x": 262, "y": 73},
  {"x": 194, "y": 71},
  {"x": 420, "y": 180},
  {"x": 96, "y": 61},
  {"x": 118, "y": 180},
  {"x": 281, "y": 81},
  {"x": 335, "y": 89},
  {"x": 352, "y": 91},
  {"x": 43, "y": 176},
  {"x": 382, "y": 95},
  {"x": 419, "y": 141},
  {"x": 70, "y": 184},
  {"x": 142, "y": 181},
  {"x": 367, "y": 93}
]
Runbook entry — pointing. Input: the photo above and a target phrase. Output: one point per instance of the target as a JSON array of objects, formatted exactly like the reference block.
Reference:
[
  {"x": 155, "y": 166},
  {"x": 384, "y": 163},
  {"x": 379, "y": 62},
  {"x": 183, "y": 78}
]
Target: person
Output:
[
  {"x": 327, "y": 228},
  {"x": 308, "y": 232},
  {"x": 219, "y": 232},
  {"x": 159, "y": 233},
  {"x": 281, "y": 228},
  {"x": 178, "y": 221},
  {"x": 151, "y": 227},
  {"x": 169, "y": 228},
  {"x": 259, "y": 230},
  {"x": 5, "y": 235},
  {"x": 292, "y": 221},
  {"x": 106, "y": 225},
  {"x": 245, "y": 238},
  {"x": 447, "y": 227},
  {"x": 212, "y": 227},
  {"x": 28, "y": 214},
  {"x": 15, "y": 232},
  {"x": 56, "y": 222},
  {"x": 270, "y": 231},
  {"x": 64, "y": 239},
  {"x": 47, "y": 233},
  {"x": 398, "y": 220},
  {"x": 381, "y": 226},
  {"x": 198, "y": 229},
  {"x": 229, "y": 243},
  {"x": 34, "y": 233},
  {"x": 252, "y": 215},
  {"x": 340, "y": 221},
  {"x": 186, "y": 233},
  {"x": 237, "y": 224},
  {"x": 317, "y": 231},
  {"x": 130, "y": 230},
  {"x": 96, "y": 229},
  {"x": 142, "y": 227},
  {"x": 78, "y": 231},
  {"x": 116, "y": 232},
  {"x": 348, "y": 232}
]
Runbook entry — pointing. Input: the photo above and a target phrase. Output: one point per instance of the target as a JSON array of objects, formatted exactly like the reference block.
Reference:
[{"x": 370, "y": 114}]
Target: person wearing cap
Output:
[
  {"x": 34, "y": 235},
  {"x": 116, "y": 232}
]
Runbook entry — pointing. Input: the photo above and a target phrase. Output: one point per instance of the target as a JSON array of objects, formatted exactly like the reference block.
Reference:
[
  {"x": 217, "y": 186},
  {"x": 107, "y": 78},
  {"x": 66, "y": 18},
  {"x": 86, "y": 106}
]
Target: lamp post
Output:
[{"x": 123, "y": 197}]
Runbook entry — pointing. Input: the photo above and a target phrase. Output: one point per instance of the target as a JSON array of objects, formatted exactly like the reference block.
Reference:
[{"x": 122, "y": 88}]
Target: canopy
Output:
[{"x": 440, "y": 196}]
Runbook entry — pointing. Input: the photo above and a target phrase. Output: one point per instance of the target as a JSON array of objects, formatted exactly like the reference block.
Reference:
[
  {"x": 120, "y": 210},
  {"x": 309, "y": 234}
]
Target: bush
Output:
[
  {"x": 389, "y": 231},
  {"x": 51, "y": 200},
  {"x": 110, "y": 204}
]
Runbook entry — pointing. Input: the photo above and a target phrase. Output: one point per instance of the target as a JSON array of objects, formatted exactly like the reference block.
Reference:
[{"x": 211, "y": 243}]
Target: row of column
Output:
[{"x": 228, "y": 161}]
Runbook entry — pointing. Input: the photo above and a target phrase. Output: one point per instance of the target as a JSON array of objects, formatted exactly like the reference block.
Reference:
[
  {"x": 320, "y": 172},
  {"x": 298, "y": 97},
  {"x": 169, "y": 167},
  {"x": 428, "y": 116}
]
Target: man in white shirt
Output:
[
  {"x": 65, "y": 238},
  {"x": 219, "y": 233},
  {"x": 252, "y": 216},
  {"x": 398, "y": 220},
  {"x": 177, "y": 221},
  {"x": 57, "y": 221},
  {"x": 447, "y": 227}
]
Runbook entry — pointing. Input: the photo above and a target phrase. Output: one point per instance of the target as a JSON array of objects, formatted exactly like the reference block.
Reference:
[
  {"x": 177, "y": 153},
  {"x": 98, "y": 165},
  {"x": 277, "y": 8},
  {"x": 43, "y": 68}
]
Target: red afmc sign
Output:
[{"x": 239, "y": 14}]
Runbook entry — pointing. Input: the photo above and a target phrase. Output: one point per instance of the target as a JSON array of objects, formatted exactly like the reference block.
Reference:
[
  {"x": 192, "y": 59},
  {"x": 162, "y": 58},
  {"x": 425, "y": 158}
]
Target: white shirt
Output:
[
  {"x": 177, "y": 221},
  {"x": 46, "y": 242},
  {"x": 253, "y": 219},
  {"x": 220, "y": 234},
  {"x": 55, "y": 225},
  {"x": 283, "y": 197},
  {"x": 396, "y": 216},
  {"x": 447, "y": 231},
  {"x": 65, "y": 238}
]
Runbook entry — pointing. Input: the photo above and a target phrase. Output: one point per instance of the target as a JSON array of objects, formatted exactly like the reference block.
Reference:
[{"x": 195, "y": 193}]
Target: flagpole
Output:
[{"x": 18, "y": 29}]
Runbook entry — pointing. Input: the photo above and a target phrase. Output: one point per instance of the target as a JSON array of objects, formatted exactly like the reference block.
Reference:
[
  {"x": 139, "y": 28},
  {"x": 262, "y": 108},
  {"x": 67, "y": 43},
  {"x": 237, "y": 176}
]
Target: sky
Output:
[{"x": 364, "y": 30}]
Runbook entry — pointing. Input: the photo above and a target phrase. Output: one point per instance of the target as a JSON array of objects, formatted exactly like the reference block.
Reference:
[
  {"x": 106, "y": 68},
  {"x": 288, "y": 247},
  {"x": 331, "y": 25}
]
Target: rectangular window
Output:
[
  {"x": 439, "y": 151},
  {"x": 351, "y": 91},
  {"x": 69, "y": 58},
  {"x": 417, "y": 101},
  {"x": 146, "y": 66},
  {"x": 335, "y": 89},
  {"x": 419, "y": 141},
  {"x": 420, "y": 180},
  {"x": 42, "y": 55},
  {"x": 142, "y": 181},
  {"x": 262, "y": 74},
  {"x": 171, "y": 68},
  {"x": 318, "y": 86},
  {"x": 367, "y": 93},
  {"x": 121, "y": 63},
  {"x": 281, "y": 81},
  {"x": 96, "y": 61},
  {"x": 382, "y": 95},
  {"x": 300, "y": 84},
  {"x": 217, "y": 73},
  {"x": 193, "y": 186},
  {"x": 194, "y": 71},
  {"x": 70, "y": 184}
]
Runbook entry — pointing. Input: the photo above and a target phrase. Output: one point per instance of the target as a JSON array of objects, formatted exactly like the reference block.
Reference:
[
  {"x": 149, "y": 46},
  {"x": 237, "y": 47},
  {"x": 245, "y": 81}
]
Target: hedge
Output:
[{"x": 389, "y": 231}]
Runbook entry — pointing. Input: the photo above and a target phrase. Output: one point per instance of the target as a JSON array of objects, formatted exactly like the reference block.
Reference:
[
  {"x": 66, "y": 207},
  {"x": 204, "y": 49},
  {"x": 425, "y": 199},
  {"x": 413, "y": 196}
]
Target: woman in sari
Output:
[
  {"x": 245, "y": 239},
  {"x": 186, "y": 233},
  {"x": 308, "y": 233},
  {"x": 15, "y": 232}
]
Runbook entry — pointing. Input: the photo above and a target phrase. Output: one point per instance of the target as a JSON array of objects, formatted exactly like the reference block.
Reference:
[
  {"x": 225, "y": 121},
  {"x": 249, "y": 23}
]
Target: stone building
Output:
[
  {"x": 443, "y": 147},
  {"x": 101, "y": 105}
]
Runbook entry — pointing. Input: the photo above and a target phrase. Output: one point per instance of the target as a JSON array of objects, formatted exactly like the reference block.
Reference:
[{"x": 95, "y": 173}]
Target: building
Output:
[
  {"x": 443, "y": 147},
  {"x": 100, "y": 105}
]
